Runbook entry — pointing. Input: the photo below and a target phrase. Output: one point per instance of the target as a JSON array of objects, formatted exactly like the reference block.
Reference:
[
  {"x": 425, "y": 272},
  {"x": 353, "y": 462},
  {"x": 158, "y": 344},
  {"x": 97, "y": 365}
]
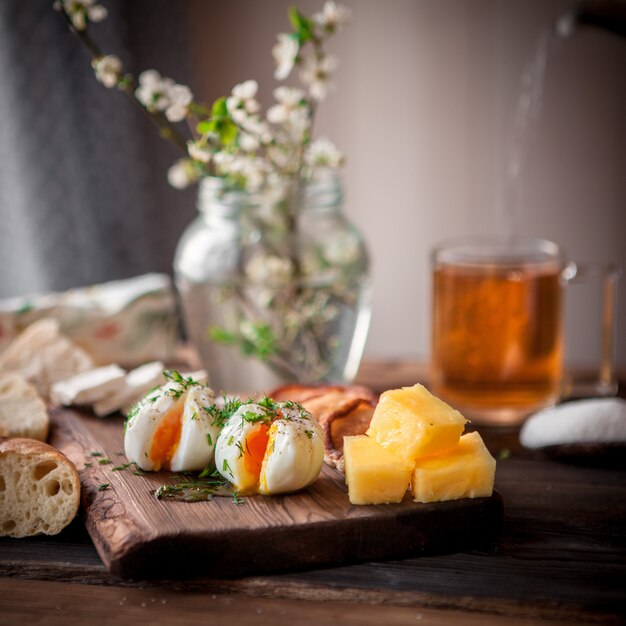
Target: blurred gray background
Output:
[{"x": 424, "y": 109}]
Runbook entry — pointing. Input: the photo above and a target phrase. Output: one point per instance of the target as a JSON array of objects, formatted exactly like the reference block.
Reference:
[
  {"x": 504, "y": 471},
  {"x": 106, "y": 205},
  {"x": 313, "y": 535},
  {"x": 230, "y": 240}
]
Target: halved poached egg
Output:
[
  {"x": 270, "y": 448},
  {"x": 172, "y": 428}
]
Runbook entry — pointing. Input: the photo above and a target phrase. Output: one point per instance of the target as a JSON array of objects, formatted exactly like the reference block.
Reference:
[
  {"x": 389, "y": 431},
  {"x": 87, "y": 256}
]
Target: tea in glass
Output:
[{"x": 497, "y": 351}]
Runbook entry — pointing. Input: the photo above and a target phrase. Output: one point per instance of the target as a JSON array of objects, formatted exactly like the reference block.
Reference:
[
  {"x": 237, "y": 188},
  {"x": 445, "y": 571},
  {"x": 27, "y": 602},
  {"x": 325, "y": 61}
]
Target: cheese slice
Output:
[
  {"x": 88, "y": 387},
  {"x": 137, "y": 384}
]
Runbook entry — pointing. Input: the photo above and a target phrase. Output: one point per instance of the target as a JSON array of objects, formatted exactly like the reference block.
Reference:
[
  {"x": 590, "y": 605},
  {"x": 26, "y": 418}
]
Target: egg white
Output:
[
  {"x": 294, "y": 455},
  {"x": 198, "y": 433}
]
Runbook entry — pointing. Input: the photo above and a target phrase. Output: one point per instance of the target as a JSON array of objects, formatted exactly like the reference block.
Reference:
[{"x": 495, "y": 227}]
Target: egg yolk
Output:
[
  {"x": 166, "y": 438},
  {"x": 256, "y": 444}
]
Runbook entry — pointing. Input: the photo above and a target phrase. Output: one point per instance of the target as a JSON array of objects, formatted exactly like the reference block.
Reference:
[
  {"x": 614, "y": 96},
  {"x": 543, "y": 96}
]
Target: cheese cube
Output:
[
  {"x": 373, "y": 474},
  {"x": 467, "y": 471},
  {"x": 412, "y": 423}
]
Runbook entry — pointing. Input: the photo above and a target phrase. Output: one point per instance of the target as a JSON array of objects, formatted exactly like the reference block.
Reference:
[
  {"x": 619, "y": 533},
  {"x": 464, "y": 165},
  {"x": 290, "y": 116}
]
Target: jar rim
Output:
[{"x": 498, "y": 251}]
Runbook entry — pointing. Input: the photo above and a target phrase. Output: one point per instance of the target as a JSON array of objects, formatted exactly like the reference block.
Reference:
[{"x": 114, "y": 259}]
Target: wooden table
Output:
[{"x": 560, "y": 558}]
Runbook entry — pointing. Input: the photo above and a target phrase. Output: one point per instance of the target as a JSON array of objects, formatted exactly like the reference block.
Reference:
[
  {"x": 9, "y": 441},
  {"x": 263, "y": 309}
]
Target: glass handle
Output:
[{"x": 605, "y": 384}]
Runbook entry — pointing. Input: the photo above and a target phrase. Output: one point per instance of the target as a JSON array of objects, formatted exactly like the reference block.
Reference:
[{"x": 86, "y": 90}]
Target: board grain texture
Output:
[{"x": 138, "y": 536}]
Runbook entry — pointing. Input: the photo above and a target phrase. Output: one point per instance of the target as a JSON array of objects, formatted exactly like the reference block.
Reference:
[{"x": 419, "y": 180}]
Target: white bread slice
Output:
[
  {"x": 43, "y": 355},
  {"x": 23, "y": 412},
  {"x": 88, "y": 387},
  {"x": 39, "y": 488}
]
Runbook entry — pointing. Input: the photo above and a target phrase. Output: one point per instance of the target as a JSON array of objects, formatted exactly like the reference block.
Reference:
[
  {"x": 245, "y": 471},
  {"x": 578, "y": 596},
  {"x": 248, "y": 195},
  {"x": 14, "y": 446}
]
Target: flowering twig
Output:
[{"x": 125, "y": 83}]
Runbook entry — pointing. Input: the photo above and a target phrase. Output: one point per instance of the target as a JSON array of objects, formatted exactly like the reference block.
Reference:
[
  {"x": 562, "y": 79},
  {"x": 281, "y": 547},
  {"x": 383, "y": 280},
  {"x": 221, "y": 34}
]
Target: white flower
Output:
[
  {"x": 245, "y": 91},
  {"x": 254, "y": 125},
  {"x": 242, "y": 98},
  {"x": 249, "y": 171},
  {"x": 316, "y": 74},
  {"x": 239, "y": 115},
  {"x": 285, "y": 53},
  {"x": 180, "y": 98},
  {"x": 97, "y": 13},
  {"x": 289, "y": 99},
  {"x": 222, "y": 161},
  {"x": 153, "y": 90},
  {"x": 182, "y": 174},
  {"x": 333, "y": 16},
  {"x": 107, "y": 69},
  {"x": 199, "y": 152},
  {"x": 248, "y": 142},
  {"x": 323, "y": 152},
  {"x": 79, "y": 11},
  {"x": 243, "y": 107},
  {"x": 158, "y": 93}
]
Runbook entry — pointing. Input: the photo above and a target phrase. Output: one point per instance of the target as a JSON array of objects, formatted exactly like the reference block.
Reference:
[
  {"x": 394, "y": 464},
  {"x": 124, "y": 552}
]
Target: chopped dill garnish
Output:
[
  {"x": 209, "y": 471},
  {"x": 267, "y": 403},
  {"x": 104, "y": 486},
  {"x": 209, "y": 439},
  {"x": 195, "y": 490},
  {"x": 240, "y": 448},
  {"x": 119, "y": 468},
  {"x": 104, "y": 461},
  {"x": 252, "y": 417},
  {"x": 95, "y": 454},
  {"x": 177, "y": 378}
]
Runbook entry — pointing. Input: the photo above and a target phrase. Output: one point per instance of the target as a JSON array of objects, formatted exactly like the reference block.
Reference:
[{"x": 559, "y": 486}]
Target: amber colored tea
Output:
[{"x": 497, "y": 337}]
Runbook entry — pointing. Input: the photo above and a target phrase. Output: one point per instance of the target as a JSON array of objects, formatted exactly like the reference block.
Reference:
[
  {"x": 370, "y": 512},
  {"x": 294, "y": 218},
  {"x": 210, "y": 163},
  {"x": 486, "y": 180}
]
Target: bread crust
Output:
[{"x": 39, "y": 488}]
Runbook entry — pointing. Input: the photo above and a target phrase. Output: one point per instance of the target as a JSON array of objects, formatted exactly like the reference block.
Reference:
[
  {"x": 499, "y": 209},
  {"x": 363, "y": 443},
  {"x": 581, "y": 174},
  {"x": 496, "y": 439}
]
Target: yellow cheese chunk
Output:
[
  {"x": 412, "y": 423},
  {"x": 467, "y": 471},
  {"x": 373, "y": 474}
]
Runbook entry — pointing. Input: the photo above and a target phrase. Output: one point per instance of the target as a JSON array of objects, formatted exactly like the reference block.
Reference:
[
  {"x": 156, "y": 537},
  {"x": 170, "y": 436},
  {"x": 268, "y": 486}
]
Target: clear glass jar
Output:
[{"x": 274, "y": 287}]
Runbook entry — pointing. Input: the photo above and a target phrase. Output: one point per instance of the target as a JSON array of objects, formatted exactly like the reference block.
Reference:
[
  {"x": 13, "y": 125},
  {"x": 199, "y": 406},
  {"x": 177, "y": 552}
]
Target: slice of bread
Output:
[
  {"x": 23, "y": 412},
  {"x": 39, "y": 488},
  {"x": 44, "y": 356}
]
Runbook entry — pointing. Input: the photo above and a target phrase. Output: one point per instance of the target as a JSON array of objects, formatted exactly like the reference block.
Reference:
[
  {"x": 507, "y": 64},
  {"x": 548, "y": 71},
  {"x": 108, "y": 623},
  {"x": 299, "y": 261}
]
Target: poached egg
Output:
[
  {"x": 270, "y": 449},
  {"x": 172, "y": 428}
]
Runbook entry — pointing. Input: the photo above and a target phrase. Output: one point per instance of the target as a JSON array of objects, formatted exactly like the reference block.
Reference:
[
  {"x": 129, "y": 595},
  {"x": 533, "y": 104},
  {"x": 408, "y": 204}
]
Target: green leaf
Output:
[
  {"x": 205, "y": 127},
  {"x": 219, "y": 108},
  {"x": 228, "y": 132},
  {"x": 221, "y": 335},
  {"x": 301, "y": 24},
  {"x": 264, "y": 340}
]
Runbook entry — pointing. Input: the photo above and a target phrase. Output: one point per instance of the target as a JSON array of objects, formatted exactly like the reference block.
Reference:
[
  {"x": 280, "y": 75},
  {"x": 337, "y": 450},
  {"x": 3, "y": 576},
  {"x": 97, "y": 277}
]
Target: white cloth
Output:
[{"x": 582, "y": 421}]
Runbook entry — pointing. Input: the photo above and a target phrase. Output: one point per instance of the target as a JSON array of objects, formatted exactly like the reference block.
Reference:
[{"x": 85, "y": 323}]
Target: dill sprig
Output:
[{"x": 199, "y": 490}]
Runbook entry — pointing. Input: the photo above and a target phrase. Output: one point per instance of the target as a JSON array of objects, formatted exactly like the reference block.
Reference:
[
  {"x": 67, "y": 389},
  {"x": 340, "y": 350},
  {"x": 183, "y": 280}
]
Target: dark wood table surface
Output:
[{"x": 560, "y": 558}]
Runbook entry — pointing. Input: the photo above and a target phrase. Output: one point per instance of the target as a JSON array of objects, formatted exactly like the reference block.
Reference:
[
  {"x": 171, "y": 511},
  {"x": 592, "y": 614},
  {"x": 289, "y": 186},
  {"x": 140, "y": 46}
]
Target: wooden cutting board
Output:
[{"x": 139, "y": 536}]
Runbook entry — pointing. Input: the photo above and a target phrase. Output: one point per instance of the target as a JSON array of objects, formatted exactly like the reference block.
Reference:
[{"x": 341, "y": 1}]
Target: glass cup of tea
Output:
[{"x": 497, "y": 332}]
